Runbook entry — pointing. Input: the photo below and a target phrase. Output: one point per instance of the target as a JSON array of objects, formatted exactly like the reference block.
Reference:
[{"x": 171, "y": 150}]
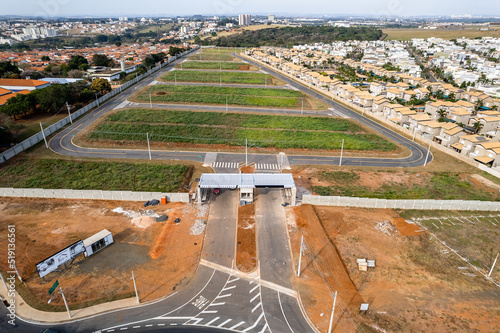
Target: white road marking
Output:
[
  {"x": 212, "y": 321},
  {"x": 222, "y": 296},
  {"x": 229, "y": 288},
  {"x": 256, "y": 307},
  {"x": 209, "y": 311},
  {"x": 173, "y": 324},
  {"x": 283, "y": 312},
  {"x": 123, "y": 328},
  {"x": 253, "y": 289},
  {"x": 161, "y": 324},
  {"x": 233, "y": 280},
  {"x": 136, "y": 326},
  {"x": 149, "y": 325},
  {"x": 255, "y": 324},
  {"x": 239, "y": 324},
  {"x": 264, "y": 328},
  {"x": 254, "y": 298},
  {"x": 224, "y": 323},
  {"x": 217, "y": 304}
]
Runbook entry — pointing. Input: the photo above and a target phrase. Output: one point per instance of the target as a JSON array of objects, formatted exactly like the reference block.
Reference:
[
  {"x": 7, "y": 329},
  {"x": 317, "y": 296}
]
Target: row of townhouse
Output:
[{"x": 424, "y": 120}]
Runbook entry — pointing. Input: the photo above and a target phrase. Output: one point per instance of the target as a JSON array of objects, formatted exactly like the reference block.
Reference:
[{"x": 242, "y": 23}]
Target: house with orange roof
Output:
[
  {"x": 18, "y": 84},
  {"x": 5, "y": 97}
]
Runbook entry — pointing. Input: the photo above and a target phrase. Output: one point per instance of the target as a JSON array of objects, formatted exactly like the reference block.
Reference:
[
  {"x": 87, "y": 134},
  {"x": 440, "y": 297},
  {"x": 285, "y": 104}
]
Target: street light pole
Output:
[
  {"x": 300, "y": 255},
  {"x": 135, "y": 287},
  {"x": 150, "y": 101},
  {"x": 333, "y": 311},
  {"x": 428, "y": 152},
  {"x": 69, "y": 112},
  {"x": 97, "y": 99},
  {"x": 65, "y": 303},
  {"x": 44, "y": 138},
  {"x": 149, "y": 147},
  {"x": 341, "y": 153}
]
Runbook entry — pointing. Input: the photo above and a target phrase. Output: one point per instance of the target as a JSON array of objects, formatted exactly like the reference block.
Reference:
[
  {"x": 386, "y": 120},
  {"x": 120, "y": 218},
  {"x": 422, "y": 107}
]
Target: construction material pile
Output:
[{"x": 386, "y": 227}]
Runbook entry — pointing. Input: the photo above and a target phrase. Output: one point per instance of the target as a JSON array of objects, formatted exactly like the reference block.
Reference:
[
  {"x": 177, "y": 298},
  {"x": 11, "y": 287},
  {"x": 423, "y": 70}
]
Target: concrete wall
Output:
[
  {"x": 33, "y": 140},
  {"x": 401, "y": 204},
  {"x": 92, "y": 195}
]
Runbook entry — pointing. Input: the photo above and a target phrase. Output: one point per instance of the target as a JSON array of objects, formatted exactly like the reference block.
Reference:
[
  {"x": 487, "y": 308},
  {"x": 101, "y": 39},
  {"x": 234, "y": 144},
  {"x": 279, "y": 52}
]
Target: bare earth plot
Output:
[
  {"x": 416, "y": 286},
  {"x": 163, "y": 256}
]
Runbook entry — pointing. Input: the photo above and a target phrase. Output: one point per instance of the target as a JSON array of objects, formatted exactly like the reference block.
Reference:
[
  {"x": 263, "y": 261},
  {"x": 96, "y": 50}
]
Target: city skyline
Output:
[{"x": 374, "y": 8}]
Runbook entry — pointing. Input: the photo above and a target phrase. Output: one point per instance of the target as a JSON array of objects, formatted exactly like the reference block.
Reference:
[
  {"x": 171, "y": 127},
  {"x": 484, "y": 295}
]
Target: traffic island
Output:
[{"x": 246, "y": 249}]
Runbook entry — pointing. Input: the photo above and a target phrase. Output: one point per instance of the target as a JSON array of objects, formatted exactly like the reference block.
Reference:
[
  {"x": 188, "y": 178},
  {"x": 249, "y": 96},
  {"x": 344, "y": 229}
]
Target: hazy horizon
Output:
[{"x": 371, "y": 8}]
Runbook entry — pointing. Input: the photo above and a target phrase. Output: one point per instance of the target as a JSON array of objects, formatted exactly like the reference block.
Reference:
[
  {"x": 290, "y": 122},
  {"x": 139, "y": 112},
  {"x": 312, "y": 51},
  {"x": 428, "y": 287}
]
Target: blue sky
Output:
[{"x": 52, "y": 8}]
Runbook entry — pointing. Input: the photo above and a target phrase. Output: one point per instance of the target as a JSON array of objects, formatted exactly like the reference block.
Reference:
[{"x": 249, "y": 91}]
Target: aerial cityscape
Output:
[{"x": 261, "y": 167}]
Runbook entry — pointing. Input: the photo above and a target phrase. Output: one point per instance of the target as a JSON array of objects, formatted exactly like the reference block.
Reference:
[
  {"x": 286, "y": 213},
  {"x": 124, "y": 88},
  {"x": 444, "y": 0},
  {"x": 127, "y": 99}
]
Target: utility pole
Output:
[
  {"x": 246, "y": 152},
  {"x": 492, "y": 267},
  {"x": 300, "y": 254},
  {"x": 97, "y": 99},
  {"x": 226, "y": 104},
  {"x": 333, "y": 311},
  {"x": 65, "y": 303},
  {"x": 149, "y": 148},
  {"x": 135, "y": 287},
  {"x": 302, "y": 110},
  {"x": 150, "y": 101},
  {"x": 69, "y": 112},
  {"x": 428, "y": 152},
  {"x": 341, "y": 153},
  {"x": 175, "y": 76},
  {"x": 44, "y": 138},
  {"x": 265, "y": 85},
  {"x": 414, "y": 133}
]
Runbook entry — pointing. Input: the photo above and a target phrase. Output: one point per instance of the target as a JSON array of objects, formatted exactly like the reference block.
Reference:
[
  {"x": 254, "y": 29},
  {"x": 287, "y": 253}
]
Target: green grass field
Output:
[
  {"x": 216, "y": 77},
  {"x": 262, "y": 97},
  {"x": 440, "y": 186},
  {"x": 212, "y": 57},
  {"x": 233, "y": 129},
  {"x": 234, "y": 119},
  {"x": 213, "y": 65},
  {"x": 473, "y": 234},
  {"x": 76, "y": 175}
]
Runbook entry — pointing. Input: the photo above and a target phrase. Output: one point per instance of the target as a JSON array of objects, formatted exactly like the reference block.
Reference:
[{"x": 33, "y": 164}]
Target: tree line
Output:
[{"x": 289, "y": 36}]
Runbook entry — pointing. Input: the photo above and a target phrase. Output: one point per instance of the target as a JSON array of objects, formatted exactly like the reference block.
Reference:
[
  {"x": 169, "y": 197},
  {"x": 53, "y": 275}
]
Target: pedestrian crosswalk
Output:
[
  {"x": 234, "y": 165},
  {"x": 263, "y": 166}
]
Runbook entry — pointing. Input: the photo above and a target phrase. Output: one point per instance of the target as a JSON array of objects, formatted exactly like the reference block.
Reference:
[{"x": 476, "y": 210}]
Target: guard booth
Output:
[
  {"x": 97, "y": 242},
  {"x": 246, "y": 183}
]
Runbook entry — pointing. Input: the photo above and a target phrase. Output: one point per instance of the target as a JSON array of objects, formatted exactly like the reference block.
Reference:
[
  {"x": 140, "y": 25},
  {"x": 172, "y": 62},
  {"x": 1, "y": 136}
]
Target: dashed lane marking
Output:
[
  {"x": 254, "y": 298},
  {"x": 253, "y": 289},
  {"x": 256, "y": 307}
]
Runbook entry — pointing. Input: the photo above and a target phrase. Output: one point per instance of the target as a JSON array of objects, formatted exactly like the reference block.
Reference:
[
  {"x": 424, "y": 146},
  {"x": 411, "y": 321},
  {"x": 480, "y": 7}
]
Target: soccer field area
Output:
[{"x": 232, "y": 129}]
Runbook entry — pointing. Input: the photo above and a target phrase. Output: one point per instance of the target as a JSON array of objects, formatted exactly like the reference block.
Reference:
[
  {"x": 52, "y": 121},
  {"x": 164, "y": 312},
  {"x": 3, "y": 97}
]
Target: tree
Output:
[
  {"x": 101, "y": 60},
  {"x": 442, "y": 115},
  {"x": 75, "y": 73},
  {"x": 148, "y": 61},
  {"x": 214, "y": 34},
  {"x": 100, "y": 85},
  {"x": 478, "y": 126},
  {"x": 7, "y": 68},
  {"x": 84, "y": 67},
  {"x": 197, "y": 39},
  {"x": 118, "y": 44},
  {"x": 45, "y": 58},
  {"x": 76, "y": 61},
  {"x": 175, "y": 50}
]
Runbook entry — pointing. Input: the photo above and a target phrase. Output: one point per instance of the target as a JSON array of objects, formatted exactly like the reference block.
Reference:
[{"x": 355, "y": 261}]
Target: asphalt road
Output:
[
  {"x": 217, "y": 298},
  {"x": 62, "y": 142}
]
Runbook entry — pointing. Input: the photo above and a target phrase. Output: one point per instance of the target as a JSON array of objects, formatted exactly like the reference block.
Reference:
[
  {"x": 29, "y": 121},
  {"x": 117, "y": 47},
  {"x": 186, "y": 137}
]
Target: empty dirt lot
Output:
[
  {"x": 415, "y": 287},
  {"x": 162, "y": 255}
]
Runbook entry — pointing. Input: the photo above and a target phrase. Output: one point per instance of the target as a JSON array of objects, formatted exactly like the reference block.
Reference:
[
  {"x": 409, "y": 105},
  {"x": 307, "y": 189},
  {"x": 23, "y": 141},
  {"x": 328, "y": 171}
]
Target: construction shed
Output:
[{"x": 97, "y": 242}]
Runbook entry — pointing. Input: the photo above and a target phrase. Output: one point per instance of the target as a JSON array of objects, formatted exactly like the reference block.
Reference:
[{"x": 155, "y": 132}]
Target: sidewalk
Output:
[{"x": 28, "y": 313}]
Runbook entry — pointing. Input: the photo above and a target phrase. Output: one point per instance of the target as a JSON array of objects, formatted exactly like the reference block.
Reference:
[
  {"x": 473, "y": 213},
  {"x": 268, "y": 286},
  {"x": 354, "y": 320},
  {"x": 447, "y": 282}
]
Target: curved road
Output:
[{"x": 62, "y": 142}]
